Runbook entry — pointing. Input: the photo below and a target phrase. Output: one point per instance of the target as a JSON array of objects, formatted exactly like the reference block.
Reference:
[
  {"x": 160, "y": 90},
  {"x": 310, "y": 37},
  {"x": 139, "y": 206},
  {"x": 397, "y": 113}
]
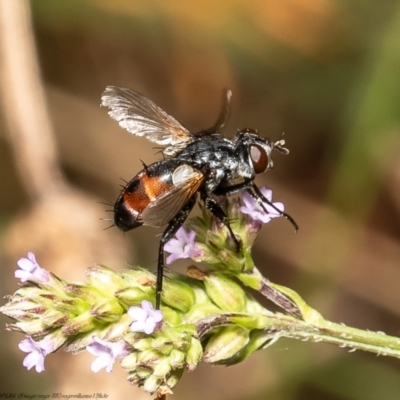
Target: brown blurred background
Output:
[{"x": 325, "y": 72}]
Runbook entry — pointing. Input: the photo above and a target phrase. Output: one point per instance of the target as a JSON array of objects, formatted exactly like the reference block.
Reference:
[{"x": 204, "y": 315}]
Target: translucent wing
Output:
[
  {"x": 164, "y": 208},
  {"x": 140, "y": 116}
]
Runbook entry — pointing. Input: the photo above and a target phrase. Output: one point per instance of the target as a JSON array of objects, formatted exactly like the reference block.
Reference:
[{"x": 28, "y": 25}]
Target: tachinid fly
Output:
[{"x": 205, "y": 163}]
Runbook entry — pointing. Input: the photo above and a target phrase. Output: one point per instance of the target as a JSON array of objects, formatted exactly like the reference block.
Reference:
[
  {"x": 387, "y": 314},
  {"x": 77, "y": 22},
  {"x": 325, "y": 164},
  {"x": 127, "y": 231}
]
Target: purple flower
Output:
[
  {"x": 30, "y": 270},
  {"x": 256, "y": 212},
  {"x": 147, "y": 319},
  {"x": 106, "y": 353},
  {"x": 182, "y": 246},
  {"x": 38, "y": 351}
]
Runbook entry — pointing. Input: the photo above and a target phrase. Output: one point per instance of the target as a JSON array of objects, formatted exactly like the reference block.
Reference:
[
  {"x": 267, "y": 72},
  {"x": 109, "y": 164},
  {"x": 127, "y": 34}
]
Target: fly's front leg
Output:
[
  {"x": 219, "y": 213},
  {"x": 172, "y": 228},
  {"x": 255, "y": 192}
]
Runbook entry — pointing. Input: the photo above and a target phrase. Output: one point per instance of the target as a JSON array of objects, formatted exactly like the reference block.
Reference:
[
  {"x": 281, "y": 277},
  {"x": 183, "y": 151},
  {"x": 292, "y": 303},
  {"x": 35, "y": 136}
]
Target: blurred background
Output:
[{"x": 324, "y": 72}]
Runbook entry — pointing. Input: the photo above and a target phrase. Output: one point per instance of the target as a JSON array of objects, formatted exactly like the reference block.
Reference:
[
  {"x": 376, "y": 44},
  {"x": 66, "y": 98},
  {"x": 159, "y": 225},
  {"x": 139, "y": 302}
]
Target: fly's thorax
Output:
[
  {"x": 214, "y": 157},
  {"x": 208, "y": 151}
]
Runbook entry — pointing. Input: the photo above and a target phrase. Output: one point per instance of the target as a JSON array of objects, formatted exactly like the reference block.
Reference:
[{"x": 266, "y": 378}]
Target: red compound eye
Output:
[{"x": 259, "y": 158}]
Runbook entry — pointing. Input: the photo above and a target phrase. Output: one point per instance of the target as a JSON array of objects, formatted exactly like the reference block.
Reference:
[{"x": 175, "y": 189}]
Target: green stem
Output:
[
  {"x": 315, "y": 328},
  {"x": 338, "y": 334}
]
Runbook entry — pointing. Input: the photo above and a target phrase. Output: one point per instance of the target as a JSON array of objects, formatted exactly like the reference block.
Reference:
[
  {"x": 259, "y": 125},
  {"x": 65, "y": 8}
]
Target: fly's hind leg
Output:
[{"x": 172, "y": 228}]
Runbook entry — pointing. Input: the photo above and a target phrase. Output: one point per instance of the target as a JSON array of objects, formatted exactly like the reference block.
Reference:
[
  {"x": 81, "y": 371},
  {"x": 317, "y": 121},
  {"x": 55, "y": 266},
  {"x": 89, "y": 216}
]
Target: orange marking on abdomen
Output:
[{"x": 147, "y": 189}]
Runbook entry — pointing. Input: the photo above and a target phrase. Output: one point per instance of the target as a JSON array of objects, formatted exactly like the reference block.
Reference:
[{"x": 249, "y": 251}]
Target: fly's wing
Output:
[
  {"x": 140, "y": 116},
  {"x": 164, "y": 208}
]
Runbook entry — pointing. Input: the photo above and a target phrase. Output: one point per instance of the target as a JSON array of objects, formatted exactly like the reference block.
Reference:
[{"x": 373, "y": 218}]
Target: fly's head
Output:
[{"x": 255, "y": 151}]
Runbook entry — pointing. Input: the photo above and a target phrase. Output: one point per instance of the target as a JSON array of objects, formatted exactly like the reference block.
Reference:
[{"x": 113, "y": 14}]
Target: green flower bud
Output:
[
  {"x": 182, "y": 342},
  {"x": 152, "y": 383},
  {"x": 200, "y": 293},
  {"x": 225, "y": 344},
  {"x": 133, "y": 295},
  {"x": 187, "y": 329},
  {"x": 173, "y": 379},
  {"x": 37, "y": 295},
  {"x": 178, "y": 295},
  {"x": 105, "y": 279},
  {"x": 107, "y": 310},
  {"x": 143, "y": 344},
  {"x": 30, "y": 327},
  {"x": 85, "y": 292},
  {"x": 118, "y": 329},
  {"x": 244, "y": 227},
  {"x": 133, "y": 378},
  {"x": 177, "y": 359},
  {"x": 178, "y": 336},
  {"x": 194, "y": 354},
  {"x": 157, "y": 363},
  {"x": 207, "y": 254},
  {"x": 231, "y": 261},
  {"x": 162, "y": 368},
  {"x": 258, "y": 340},
  {"x": 215, "y": 238},
  {"x": 139, "y": 277},
  {"x": 163, "y": 345},
  {"x": 144, "y": 371},
  {"x": 69, "y": 304},
  {"x": 58, "y": 337},
  {"x": 148, "y": 357},
  {"x": 130, "y": 362},
  {"x": 80, "y": 324},
  {"x": 201, "y": 311},
  {"x": 252, "y": 279},
  {"x": 53, "y": 318},
  {"x": 21, "y": 309},
  {"x": 224, "y": 292},
  {"x": 172, "y": 316}
]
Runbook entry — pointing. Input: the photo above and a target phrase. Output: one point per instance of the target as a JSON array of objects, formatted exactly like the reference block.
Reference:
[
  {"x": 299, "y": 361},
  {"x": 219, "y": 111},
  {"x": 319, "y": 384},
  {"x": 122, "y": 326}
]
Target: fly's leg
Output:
[
  {"x": 172, "y": 228},
  {"x": 233, "y": 189},
  {"x": 255, "y": 192},
  {"x": 219, "y": 213}
]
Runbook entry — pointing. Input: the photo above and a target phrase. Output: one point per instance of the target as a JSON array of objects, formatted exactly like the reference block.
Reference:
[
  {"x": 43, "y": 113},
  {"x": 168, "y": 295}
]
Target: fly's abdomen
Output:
[{"x": 136, "y": 196}]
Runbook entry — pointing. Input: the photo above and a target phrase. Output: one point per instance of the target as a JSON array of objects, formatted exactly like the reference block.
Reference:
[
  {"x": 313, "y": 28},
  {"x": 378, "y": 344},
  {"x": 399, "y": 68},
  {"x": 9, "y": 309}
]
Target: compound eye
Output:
[{"x": 259, "y": 158}]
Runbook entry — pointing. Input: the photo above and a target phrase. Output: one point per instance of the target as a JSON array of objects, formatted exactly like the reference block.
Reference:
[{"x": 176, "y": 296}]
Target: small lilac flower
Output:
[
  {"x": 256, "y": 212},
  {"x": 182, "y": 246},
  {"x": 106, "y": 353},
  {"x": 38, "y": 351},
  {"x": 30, "y": 270},
  {"x": 147, "y": 319}
]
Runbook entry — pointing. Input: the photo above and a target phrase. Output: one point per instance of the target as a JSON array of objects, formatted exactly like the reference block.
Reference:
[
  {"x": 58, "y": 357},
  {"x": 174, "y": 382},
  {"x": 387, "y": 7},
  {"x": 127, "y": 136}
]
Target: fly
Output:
[{"x": 205, "y": 163}]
